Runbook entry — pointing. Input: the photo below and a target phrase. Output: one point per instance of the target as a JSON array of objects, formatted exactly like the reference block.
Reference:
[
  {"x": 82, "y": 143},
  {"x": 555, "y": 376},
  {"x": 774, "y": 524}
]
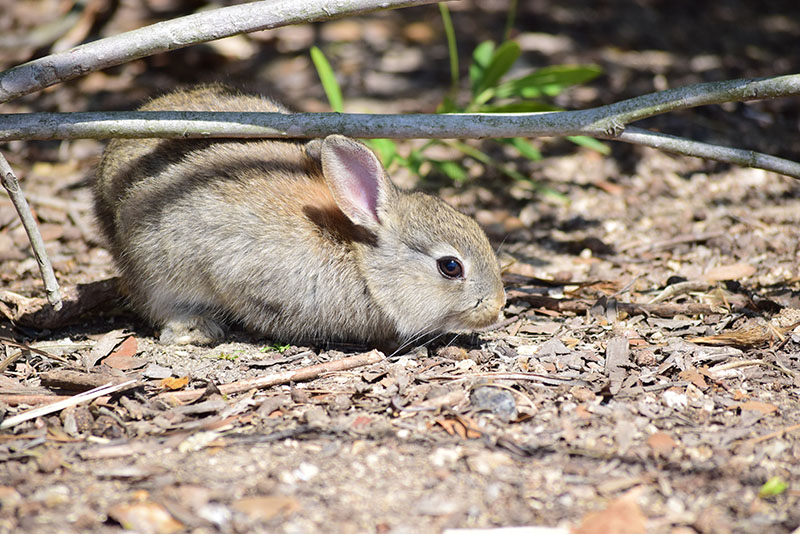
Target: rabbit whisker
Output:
[{"x": 412, "y": 339}]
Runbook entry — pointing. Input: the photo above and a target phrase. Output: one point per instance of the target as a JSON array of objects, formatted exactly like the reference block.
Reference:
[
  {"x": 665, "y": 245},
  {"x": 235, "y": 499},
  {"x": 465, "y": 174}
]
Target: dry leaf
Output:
[
  {"x": 145, "y": 517},
  {"x": 264, "y": 508},
  {"x": 464, "y": 427},
  {"x": 103, "y": 347},
  {"x": 661, "y": 443},
  {"x": 756, "y": 406},
  {"x": 623, "y": 516},
  {"x": 123, "y": 357},
  {"x": 693, "y": 375},
  {"x": 129, "y": 347},
  {"x": 736, "y": 271},
  {"x": 174, "y": 383},
  {"x": 747, "y": 337}
]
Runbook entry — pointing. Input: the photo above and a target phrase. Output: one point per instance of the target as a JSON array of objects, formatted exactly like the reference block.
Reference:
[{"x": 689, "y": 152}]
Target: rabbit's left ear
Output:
[{"x": 356, "y": 179}]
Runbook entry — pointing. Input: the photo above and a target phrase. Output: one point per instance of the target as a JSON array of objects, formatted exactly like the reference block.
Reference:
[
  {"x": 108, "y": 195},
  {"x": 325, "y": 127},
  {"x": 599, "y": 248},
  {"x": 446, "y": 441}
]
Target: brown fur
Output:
[{"x": 264, "y": 233}]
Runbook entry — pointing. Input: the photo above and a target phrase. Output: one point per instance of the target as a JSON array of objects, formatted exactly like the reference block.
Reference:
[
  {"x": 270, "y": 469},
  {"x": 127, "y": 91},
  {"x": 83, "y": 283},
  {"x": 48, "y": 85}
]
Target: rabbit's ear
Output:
[{"x": 356, "y": 179}]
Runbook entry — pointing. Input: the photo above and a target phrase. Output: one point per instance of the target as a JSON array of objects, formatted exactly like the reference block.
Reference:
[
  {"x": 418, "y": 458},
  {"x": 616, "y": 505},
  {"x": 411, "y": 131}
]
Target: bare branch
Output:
[
  {"x": 687, "y": 147},
  {"x": 11, "y": 185},
  {"x": 691, "y": 96},
  {"x": 606, "y": 122},
  {"x": 178, "y": 33}
]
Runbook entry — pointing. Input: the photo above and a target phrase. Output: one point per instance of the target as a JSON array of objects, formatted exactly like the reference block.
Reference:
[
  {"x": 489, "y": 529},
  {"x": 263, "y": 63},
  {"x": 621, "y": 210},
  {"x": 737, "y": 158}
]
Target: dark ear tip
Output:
[
  {"x": 337, "y": 141},
  {"x": 314, "y": 149}
]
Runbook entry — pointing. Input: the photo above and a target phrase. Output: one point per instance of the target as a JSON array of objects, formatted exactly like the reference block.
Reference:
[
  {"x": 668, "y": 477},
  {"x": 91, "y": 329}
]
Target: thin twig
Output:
[
  {"x": 687, "y": 147},
  {"x": 13, "y": 399},
  {"x": 664, "y": 309},
  {"x": 274, "y": 379},
  {"x": 11, "y": 185},
  {"x": 636, "y": 249},
  {"x": 778, "y": 433},
  {"x": 60, "y": 405}
]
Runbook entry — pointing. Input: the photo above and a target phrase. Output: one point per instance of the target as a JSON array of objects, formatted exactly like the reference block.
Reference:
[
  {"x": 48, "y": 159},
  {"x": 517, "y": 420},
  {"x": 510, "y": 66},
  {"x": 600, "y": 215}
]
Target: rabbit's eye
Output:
[{"x": 450, "y": 267}]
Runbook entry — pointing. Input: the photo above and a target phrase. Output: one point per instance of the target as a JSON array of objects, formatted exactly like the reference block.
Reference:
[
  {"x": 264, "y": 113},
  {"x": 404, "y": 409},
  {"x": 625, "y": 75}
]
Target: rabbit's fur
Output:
[{"x": 301, "y": 242}]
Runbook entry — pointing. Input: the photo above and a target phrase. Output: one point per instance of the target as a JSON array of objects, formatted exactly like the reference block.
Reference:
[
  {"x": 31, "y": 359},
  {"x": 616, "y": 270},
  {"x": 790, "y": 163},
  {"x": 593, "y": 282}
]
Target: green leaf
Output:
[
  {"x": 451, "y": 169},
  {"x": 525, "y": 148},
  {"x": 502, "y": 60},
  {"x": 487, "y": 160},
  {"x": 772, "y": 487},
  {"x": 547, "y": 81},
  {"x": 386, "y": 149},
  {"x": 328, "y": 79},
  {"x": 414, "y": 161},
  {"x": 481, "y": 57},
  {"x": 590, "y": 143}
]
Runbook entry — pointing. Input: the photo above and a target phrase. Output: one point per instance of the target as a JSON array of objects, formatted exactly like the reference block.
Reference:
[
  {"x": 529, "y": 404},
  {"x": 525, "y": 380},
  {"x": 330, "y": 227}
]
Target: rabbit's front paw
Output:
[{"x": 191, "y": 331}]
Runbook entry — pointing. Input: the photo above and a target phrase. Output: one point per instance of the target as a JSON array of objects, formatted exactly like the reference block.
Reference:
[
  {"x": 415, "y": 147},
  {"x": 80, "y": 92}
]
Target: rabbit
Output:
[{"x": 298, "y": 241}]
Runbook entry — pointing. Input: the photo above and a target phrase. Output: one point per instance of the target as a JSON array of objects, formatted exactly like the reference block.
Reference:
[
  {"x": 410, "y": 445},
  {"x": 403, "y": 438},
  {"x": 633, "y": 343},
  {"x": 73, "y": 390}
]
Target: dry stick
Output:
[
  {"x": 66, "y": 403},
  {"x": 13, "y": 399},
  {"x": 669, "y": 243},
  {"x": 687, "y": 147},
  {"x": 274, "y": 379},
  {"x": 11, "y": 185},
  {"x": 665, "y": 309},
  {"x": 178, "y": 33},
  {"x": 776, "y": 434}
]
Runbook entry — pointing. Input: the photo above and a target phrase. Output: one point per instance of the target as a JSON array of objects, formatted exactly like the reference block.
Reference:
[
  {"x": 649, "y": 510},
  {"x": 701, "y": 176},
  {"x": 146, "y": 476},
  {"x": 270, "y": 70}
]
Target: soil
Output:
[{"x": 647, "y": 375}]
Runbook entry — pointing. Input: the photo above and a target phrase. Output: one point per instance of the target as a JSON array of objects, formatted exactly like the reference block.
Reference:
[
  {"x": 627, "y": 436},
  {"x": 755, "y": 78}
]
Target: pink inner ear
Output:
[
  {"x": 356, "y": 178},
  {"x": 362, "y": 187}
]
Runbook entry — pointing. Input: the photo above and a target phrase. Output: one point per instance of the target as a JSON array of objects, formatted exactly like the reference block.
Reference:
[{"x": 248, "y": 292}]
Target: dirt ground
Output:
[{"x": 647, "y": 378}]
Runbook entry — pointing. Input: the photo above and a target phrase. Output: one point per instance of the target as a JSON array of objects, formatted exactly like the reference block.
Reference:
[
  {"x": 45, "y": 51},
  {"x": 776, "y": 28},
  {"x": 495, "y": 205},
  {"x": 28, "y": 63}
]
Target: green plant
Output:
[
  {"x": 773, "y": 487},
  {"x": 229, "y": 356},
  {"x": 490, "y": 92},
  {"x": 280, "y": 349}
]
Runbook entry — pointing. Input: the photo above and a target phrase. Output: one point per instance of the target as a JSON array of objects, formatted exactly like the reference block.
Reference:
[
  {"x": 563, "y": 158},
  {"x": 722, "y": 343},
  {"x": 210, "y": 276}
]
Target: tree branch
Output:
[
  {"x": 11, "y": 184},
  {"x": 178, "y": 33},
  {"x": 687, "y": 147},
  {"x": 606, "y": 122}
]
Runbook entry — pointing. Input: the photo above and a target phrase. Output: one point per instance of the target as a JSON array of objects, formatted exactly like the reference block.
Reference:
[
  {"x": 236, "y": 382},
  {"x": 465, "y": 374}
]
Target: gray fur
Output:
[{"x": 254, "y": 232}]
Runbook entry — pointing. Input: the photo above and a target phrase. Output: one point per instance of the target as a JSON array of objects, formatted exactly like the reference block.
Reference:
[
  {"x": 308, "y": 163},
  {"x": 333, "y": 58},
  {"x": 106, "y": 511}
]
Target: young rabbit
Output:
[{"x": 301, "y": 242}]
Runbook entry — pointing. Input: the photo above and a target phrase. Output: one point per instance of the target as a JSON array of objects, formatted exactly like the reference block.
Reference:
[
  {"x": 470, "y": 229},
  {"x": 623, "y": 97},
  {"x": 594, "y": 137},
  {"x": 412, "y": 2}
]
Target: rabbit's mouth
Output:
[{"x": 486, "y": 312}]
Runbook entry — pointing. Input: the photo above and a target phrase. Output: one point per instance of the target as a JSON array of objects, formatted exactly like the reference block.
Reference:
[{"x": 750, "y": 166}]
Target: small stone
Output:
[{"x": 498, "y": 401}]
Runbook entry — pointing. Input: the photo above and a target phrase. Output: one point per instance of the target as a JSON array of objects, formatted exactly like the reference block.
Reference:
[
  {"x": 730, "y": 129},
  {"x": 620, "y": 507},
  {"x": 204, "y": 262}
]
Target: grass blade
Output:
[{"x": 328, "y": 79}]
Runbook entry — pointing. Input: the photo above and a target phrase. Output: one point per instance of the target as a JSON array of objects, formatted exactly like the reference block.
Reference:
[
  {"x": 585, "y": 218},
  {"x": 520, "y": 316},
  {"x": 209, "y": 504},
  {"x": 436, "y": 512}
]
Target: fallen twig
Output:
[
  {"x": 776, "y": 434},
  {"x": 274, "y": 379},
  {"x": 31, "y": 399},
  {"x": 665, "y": 309},
  {"x": 680, "y": 288},
  {"x": 66, "y": 403},
  {"x": 69, "y": 380},
  {"x": 636, "y": 249}
]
